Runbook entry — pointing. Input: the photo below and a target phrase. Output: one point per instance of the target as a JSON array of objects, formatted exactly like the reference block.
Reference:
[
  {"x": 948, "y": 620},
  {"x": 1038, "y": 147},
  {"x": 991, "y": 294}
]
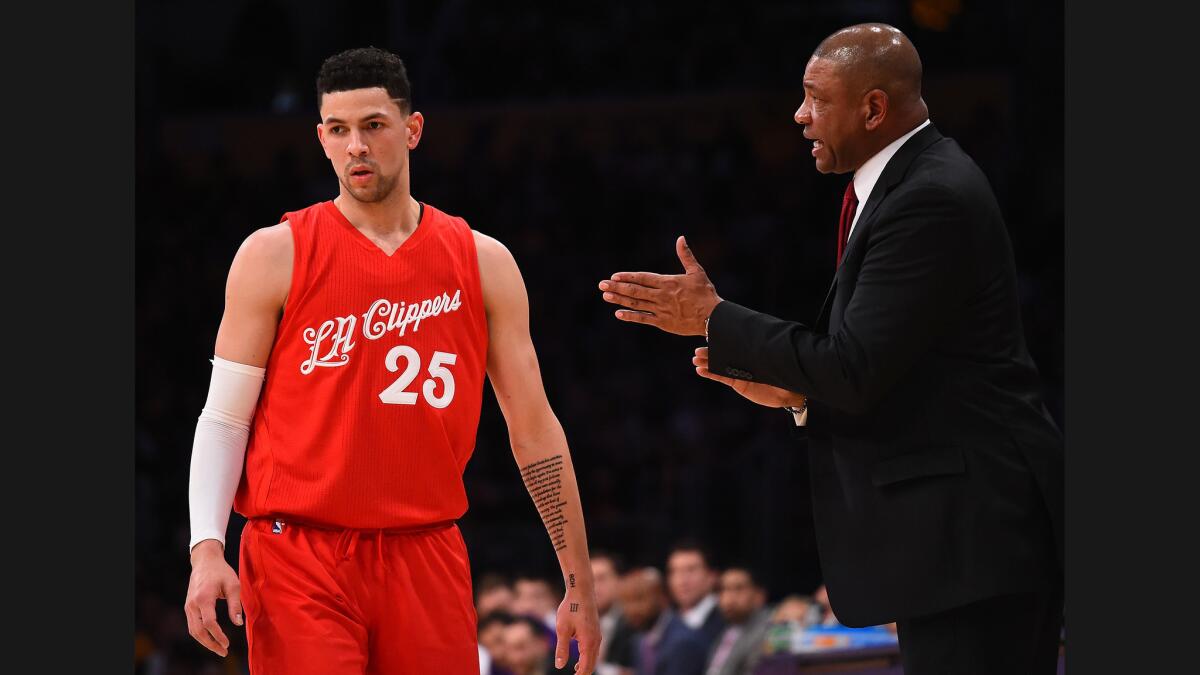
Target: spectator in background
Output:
[
  {"x": 527, "y": 649},
  {"x": 491, "y": 642},
  {"x": 824, "y": 615},
  {"x": 665, "y": 645},
  {"x": 799, "y": 609},
  {"x": 493, "y": 593},
  {"x": 742, "y": 601},
  {"x": 692, "y": 579},
  {"x": 616, "y": 645},
  {"x": 536, "y": 597}
]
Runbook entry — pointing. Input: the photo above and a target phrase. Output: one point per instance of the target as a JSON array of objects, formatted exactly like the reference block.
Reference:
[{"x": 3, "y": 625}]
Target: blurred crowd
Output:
[{"x": 695, "y": 619}]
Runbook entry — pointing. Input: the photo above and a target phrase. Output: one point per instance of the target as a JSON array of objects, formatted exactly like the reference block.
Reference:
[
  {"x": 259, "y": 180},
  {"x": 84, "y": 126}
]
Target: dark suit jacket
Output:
[
  {"x": 936, "y": 469},
  {"x": 713, "y": 626},
  {"x": 746, "y": 650},
  {"x": 621, "y": 644},
  {"x": 681, "y": 651}
]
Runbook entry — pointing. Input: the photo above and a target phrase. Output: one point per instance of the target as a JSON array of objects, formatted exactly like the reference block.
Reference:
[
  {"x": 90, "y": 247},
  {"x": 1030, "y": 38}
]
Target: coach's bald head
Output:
[
  {"x": 862, "y": 91},
  {"x": 875, "y": 56}
]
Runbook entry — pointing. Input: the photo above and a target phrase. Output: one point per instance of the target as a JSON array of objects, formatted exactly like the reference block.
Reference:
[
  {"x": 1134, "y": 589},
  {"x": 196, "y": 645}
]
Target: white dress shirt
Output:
[
  {"x": 695, "y": 616},
  {"x": 865, "y": 179}
]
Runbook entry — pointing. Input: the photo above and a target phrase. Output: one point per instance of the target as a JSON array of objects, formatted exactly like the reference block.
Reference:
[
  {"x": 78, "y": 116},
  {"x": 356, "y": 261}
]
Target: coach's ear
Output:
[{"x": 415, "y": 125}]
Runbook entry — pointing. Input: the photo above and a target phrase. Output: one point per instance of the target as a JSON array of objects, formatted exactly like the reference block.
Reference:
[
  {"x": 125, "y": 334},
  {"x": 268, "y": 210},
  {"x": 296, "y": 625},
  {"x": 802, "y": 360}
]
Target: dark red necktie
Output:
[{"x": 849, "y": 206}]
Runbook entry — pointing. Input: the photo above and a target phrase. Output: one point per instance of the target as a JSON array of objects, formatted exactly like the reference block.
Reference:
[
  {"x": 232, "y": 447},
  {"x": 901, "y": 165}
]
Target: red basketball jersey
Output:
[{"x": 371, "y": 402}]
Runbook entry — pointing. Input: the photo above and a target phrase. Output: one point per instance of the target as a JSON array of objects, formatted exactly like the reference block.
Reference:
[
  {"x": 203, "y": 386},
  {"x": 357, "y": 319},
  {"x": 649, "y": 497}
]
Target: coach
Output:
[{"x": 937, "y": 474}]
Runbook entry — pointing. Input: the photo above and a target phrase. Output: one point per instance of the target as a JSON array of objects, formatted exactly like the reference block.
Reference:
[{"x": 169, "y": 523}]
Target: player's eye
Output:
[
  {"x": 337, "y": 130},
  {"x": 375, "y": 125}
]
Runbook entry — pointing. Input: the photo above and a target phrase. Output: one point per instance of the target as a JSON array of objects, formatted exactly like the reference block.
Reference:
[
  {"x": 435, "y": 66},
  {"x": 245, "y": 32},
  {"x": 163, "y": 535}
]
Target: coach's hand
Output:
[
  {"x": 676, "y": 303},
  {"x": 577, "y": 618},
  {"x": 762, "y": 394},
  {"x": 211, "y": 578}
]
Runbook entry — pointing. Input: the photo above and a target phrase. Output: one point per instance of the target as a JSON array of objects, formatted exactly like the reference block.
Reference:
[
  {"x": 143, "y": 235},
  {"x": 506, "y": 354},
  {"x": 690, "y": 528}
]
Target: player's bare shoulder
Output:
[
  {"x": 498, "y": 274},
  {"x": 490, "y": 251},
  {"x": 262, "y": 267}
]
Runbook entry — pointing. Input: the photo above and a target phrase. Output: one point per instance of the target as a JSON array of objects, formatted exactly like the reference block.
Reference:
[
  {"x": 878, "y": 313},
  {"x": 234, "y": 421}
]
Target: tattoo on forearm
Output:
[
  {"x": 574, "y": 606},
  {"x": 543, "y": 480},
  {"x": 571, "y": 579}
]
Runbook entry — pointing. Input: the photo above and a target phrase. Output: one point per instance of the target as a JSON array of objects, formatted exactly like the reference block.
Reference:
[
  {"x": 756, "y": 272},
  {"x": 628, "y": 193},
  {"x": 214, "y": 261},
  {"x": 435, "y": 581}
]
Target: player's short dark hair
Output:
[
  {"x": 693, "y": 546},
  {"x": 363, "y": 68}
]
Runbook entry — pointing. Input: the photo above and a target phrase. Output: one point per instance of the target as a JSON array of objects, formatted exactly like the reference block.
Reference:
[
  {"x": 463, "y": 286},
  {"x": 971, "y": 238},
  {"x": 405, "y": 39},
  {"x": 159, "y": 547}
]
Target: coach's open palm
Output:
[
  {"x": 676, "y": 303},
  {"x": 577, "y": 618},
  {"x": 211, "y": 578},
  {"x": 762, "y": 394}
]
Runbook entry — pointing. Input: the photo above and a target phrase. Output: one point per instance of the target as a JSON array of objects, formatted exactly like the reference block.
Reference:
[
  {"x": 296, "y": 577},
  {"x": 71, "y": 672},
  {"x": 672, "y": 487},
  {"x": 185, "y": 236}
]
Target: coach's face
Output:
[
  {"x": 367, "y": 136},
  {"x": 833, "y": 117}
]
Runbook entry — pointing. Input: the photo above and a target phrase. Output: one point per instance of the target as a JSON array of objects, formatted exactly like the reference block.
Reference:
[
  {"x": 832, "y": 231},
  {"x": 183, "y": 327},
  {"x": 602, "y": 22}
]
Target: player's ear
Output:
[
  {"x": 415, "y": 125},
  {"x": 321, "y": 140}
]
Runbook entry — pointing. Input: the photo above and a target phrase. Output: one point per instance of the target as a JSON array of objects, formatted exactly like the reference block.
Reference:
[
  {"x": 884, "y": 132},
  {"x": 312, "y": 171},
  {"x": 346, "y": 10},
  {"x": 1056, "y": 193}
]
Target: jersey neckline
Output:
[{"x": 423, "y": 224}]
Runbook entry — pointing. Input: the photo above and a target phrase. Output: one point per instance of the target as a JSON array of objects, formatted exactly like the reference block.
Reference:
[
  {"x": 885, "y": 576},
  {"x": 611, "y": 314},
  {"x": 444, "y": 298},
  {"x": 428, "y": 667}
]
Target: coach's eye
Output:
[{"x": 336, "y": 130}]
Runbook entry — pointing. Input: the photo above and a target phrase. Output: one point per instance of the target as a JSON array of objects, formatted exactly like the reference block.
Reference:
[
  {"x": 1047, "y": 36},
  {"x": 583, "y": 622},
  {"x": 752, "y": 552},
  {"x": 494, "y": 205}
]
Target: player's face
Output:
[
  {"x": 688, "y": 578},
  {"x": 367, "y": 137},
  {"x": 833, "y": 117}
]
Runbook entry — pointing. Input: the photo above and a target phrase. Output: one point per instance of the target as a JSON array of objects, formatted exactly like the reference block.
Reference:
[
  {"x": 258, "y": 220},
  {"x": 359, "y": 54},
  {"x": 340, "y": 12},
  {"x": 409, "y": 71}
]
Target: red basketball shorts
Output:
[{"x": 330, "y": 602}]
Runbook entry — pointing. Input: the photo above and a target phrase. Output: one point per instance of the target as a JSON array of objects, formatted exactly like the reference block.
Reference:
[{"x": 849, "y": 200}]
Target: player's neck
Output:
[{"x": 397, "y": 214}]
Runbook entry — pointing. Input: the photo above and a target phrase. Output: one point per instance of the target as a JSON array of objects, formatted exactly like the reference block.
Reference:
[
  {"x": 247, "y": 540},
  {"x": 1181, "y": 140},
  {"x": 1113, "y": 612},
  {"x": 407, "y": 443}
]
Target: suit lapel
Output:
[{"x": 892, "y": 174}]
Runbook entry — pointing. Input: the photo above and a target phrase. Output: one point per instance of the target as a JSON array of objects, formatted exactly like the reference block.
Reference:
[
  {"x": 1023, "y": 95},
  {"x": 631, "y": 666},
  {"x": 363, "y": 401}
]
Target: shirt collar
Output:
[
  {"x": 868, "y": 174},
  {"x": 695, "y": 616}
]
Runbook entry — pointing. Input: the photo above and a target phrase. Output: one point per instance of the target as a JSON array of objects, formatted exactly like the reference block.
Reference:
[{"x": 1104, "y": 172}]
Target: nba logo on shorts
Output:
[{"x": 277, "y": 527}]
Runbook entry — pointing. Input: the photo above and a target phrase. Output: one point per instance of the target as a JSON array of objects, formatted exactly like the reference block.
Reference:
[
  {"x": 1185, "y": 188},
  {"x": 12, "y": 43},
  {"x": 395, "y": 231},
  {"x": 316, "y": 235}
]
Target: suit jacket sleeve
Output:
[{"x": 914, "y": 275}]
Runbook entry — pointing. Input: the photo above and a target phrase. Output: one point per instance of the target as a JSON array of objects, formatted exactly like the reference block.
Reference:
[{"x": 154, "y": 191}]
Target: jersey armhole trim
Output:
[{"x": 297, "y": 270}]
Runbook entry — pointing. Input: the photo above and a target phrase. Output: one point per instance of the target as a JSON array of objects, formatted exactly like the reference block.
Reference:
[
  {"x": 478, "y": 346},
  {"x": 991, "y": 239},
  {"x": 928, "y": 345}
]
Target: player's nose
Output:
[{"x": 356, "y": 146}]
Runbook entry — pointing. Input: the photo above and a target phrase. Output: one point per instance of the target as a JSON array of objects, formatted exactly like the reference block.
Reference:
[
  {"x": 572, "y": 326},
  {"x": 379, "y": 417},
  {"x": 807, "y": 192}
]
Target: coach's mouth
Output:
[{"x": 817, "y": 145}]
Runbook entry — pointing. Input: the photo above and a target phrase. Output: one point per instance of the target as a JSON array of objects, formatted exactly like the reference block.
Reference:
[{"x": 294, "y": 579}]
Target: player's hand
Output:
[
  {"x": 211, "y": 578},
  {"x": 577, "y": 618},
  {"x": 676, "y": 303},
  {"x": 762, "y": 394}
]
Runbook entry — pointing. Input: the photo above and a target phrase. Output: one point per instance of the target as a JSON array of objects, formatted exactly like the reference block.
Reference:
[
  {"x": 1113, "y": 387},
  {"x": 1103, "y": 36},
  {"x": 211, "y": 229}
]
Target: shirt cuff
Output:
[{"x": 801, "y": 418}]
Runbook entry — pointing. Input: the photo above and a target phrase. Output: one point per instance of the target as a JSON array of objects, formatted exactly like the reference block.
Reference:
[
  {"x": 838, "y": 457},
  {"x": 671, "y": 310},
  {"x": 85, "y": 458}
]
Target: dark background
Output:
[{"x": 585, "y": 139}]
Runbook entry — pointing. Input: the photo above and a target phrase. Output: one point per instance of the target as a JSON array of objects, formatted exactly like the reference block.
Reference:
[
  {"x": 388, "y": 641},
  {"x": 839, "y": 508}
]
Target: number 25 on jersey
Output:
[{"x": 397, "y": 393}]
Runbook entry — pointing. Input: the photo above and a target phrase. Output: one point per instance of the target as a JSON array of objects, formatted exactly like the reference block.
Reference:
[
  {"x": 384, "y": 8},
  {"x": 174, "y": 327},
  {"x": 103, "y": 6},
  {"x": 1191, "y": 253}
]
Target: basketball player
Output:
[{"x": 350, "y": 358}]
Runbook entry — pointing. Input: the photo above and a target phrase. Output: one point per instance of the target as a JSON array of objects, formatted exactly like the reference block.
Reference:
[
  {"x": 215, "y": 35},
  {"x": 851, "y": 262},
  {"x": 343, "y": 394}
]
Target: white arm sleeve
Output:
[{"x": 219, "y": 449}]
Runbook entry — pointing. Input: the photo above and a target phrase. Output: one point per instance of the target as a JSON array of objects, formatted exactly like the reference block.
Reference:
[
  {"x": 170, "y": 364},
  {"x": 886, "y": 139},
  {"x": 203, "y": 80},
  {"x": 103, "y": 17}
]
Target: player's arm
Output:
[
  {"x": 254, "y": 295},
  {"x": 539, "y": 445}
]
